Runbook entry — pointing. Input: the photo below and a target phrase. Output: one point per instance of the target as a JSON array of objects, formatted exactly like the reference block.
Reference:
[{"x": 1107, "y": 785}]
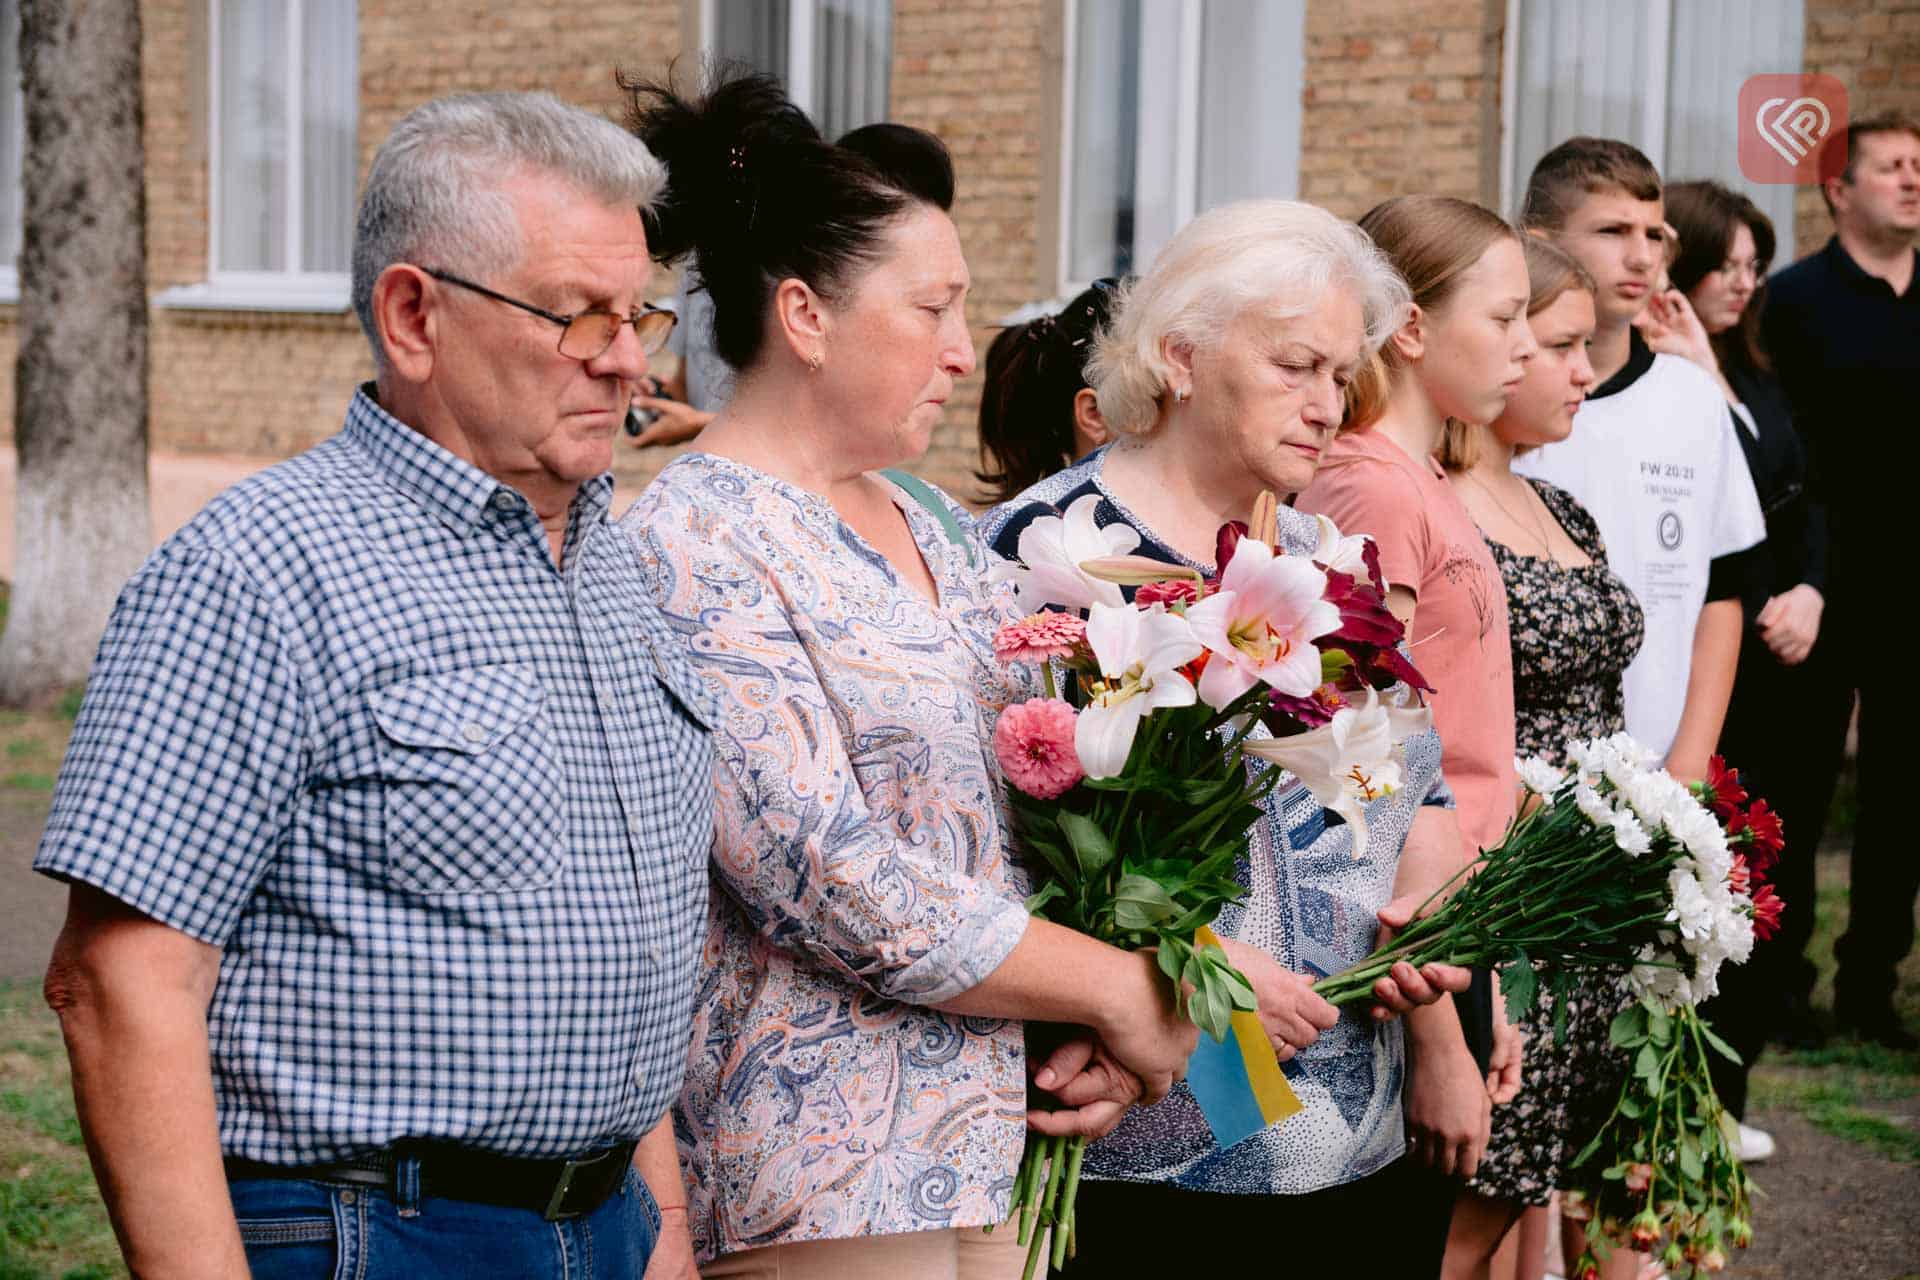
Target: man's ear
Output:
[
  {"x": 1410, "y": 339},
  {"x": 803, "y": 320},
  {"x": 406, "y": 314}
]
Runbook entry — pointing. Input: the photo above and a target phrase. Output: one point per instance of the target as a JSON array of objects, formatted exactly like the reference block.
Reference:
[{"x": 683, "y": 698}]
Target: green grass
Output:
[{"x": 52, "y": 1224}]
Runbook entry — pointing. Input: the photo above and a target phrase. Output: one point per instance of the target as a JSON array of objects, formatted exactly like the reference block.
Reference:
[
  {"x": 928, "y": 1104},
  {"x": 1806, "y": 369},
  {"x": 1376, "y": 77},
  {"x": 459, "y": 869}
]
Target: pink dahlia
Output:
[
  {"x": 1034, "y": 743},
  {"x": 1040, "y": 636}
]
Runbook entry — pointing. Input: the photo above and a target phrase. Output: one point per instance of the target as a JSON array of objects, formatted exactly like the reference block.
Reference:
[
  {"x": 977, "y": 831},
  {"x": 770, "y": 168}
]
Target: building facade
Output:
[{"x": 1084, "y": 133}]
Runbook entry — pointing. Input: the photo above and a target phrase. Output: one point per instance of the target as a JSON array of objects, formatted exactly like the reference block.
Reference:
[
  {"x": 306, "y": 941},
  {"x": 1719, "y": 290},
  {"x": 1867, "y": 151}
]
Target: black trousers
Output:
[
  {"x": 1786, "y": 732},
  {"x": 1148, "y": 1231},
  {"x": 1391, "y": 1224}
]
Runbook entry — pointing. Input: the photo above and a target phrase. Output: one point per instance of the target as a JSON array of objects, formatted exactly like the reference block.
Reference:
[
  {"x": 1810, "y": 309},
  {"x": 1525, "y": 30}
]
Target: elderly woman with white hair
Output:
[{"x": 1222, "y": 374}]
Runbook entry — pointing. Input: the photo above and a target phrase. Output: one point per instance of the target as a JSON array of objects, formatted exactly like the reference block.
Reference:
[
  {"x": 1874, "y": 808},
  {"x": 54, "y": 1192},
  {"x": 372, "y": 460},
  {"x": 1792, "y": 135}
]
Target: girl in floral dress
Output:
[{"x": 1574, "y": 625}]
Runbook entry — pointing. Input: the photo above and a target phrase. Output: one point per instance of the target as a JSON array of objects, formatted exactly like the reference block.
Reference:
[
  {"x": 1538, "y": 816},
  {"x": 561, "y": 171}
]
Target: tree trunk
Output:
[{"x": 80, "y": 409}]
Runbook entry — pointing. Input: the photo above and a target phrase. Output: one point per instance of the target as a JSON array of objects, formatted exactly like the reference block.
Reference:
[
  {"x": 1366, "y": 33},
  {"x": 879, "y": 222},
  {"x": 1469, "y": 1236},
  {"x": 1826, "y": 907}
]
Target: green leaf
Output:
[
  {"x": 1630, "y": 1107},
  {"x": 1629, "y": 1027},
  {"x": 1037, "y": 903},
  {"x": 1091, "y": 848},
  {"x": 1690, "y": 1163},
  {"x": 1140, "y": 903},
  {"x": 1239, "y": 990},
  {"x": 1647, "y": 1063},
  {"x": 1518, "y": 983},
  {"x": 1659, "y": 1026},
  {"x": 1720, "y": 1046}
]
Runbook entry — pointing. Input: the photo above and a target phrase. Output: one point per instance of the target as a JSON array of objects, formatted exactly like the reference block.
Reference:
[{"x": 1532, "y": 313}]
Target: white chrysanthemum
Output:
[
  {"x": 1691, "y": 912},
  {"x": 1539, "y": 777},
  {"x": 1590, "y": 802},
  {"x": 1699, "y": 831},
  {"x": 1629, "y": 834},
  {"x": 1650, "y": 797}
]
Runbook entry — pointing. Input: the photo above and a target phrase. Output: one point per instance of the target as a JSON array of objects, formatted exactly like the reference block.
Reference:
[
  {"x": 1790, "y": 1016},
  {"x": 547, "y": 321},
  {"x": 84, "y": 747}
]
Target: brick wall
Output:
[
  {"x": 974, "y": 72},
  {"x": 1873, "y": 48},
  {"x": 1400, "y": 96}
]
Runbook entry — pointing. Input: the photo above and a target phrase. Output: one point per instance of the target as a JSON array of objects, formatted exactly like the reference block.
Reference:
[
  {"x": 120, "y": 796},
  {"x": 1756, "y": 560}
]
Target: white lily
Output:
[
  {"x": 1051, "y": 550},
  {"x": 1140, "y": 652},
  {"x": 1350, "y": 762},
  {"x": 1342, "y": 553},
  {"x": 1261, "y": 624}
]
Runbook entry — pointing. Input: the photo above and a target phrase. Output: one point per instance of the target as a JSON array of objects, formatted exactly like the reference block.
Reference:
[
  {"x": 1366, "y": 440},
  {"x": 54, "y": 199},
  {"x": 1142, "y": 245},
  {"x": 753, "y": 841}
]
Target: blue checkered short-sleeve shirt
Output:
[{"x": 444, "y": 805}]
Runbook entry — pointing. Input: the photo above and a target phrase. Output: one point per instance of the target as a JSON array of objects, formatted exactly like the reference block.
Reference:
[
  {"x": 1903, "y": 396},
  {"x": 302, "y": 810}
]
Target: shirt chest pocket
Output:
[{"x": 470, "y": 788}]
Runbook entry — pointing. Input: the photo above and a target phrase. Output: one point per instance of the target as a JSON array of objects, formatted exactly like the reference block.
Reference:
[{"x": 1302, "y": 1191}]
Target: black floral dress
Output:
[{"x": 1574, "y": 631}]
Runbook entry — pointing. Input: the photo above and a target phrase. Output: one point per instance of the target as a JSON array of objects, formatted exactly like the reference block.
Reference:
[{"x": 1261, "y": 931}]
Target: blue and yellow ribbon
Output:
[{"x": 1238, "y": 1083}]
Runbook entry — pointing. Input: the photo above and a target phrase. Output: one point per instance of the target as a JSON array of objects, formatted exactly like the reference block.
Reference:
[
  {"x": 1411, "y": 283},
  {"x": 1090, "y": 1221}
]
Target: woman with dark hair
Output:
[
  {"x": 856, "y": 1087},
  {"x": 1726, "y": 244},
  {"x": 1037, "y": 413}
]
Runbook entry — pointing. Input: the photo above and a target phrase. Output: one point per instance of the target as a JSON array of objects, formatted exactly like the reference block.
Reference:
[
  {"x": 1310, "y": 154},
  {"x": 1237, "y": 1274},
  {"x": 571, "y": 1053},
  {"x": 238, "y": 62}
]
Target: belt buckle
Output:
[{"x": 560, "y": 1187}]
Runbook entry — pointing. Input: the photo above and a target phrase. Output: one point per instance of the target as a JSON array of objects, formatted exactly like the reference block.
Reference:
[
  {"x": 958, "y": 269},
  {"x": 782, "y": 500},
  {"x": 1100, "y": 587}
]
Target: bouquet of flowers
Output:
[
  {"x": 1619, "y": 868},
  {"x": 1133, "y": 801},
  {"x": 1662, "y": 1174}
]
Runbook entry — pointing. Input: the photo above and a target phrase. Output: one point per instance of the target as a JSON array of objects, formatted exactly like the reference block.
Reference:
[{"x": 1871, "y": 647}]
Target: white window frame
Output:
[
  {"x": 13, "y": 186},
  {"x": 224, "y": 290},
  {"x": 1166, "y": 144},
  {"x": 1653, "y": 92},
  {"x": 1656, "y": 74},
  {"x": 802, "y": 26}
]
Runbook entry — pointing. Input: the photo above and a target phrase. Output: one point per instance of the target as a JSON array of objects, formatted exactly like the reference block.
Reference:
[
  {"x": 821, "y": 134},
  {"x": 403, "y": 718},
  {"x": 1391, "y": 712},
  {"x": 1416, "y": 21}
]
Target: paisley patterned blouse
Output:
[{"x": 861, "y": 869}]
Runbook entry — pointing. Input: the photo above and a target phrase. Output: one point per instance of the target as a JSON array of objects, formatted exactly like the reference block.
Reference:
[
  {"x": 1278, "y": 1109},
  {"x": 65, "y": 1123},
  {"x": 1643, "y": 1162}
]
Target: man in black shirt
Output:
[{"x": 1843, "y": 329}]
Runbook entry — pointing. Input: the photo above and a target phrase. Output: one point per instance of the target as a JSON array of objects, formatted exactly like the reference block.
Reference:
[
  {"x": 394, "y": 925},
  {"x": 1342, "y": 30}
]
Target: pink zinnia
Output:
[
  {"x": 1034, "y": 743},
  {"x": 1040, "y": 636}
]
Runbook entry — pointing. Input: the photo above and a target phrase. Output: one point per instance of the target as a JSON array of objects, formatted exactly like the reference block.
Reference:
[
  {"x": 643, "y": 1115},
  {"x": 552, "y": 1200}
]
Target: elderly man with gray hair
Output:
[{"x": 387, "y": 813}]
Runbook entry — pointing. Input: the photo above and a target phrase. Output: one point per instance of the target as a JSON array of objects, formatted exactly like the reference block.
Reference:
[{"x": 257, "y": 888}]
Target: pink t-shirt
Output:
[{"x": 1428, "y": 543}]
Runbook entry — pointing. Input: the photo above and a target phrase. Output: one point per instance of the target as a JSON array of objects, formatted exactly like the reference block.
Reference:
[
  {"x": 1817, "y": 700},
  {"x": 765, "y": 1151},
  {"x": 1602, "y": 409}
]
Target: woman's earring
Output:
[
  {"x": 1180, "y": 394},
  {"x": 814, "y": 362}
]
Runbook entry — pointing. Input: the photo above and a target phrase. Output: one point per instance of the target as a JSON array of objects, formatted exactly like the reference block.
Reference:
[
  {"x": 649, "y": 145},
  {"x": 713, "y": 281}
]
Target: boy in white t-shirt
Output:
[{"x": 1652, "y": 455}]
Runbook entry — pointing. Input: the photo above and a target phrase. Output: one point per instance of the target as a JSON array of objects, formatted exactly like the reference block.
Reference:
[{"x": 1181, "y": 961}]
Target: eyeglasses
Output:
[{"x": 585, "y": 334}]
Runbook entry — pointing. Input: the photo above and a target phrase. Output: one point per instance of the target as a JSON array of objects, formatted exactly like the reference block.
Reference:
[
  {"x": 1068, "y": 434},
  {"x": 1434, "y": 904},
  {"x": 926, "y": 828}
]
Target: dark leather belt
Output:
[{"x": 554, "y": 1189}]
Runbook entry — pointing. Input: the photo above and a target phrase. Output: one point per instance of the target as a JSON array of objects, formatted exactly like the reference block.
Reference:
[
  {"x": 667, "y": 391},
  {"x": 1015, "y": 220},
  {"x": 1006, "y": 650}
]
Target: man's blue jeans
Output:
[{"x": 333, "y": 1231}]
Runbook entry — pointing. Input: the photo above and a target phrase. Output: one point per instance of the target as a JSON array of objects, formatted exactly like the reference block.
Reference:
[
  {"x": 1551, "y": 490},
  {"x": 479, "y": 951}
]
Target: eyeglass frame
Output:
[{"x": 566, "y": 322}]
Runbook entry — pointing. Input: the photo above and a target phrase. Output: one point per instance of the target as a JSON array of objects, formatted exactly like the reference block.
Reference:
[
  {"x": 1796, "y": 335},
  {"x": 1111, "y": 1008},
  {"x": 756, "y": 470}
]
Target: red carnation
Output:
[
  {"x": 1740, "y": 879},
  {"x": 1767, "y": 907},
  {"x": 1725, "y": 795}
]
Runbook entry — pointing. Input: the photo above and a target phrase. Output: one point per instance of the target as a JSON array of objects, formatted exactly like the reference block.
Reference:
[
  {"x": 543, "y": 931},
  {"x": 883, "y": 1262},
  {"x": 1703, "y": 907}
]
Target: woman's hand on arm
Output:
[
  {"x": 1789, "y": 623},
  {"x": 1057, "y": 975},
  {"x": 1293, "y": 1014}
]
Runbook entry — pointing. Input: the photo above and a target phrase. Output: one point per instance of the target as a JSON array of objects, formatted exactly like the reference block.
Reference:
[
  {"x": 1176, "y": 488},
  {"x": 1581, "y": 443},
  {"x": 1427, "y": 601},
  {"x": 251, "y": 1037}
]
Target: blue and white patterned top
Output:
[
  {"x": 444, "y": 806},
  {"x": 1311, "y": 905},
  {"x": 862, "y": 868}
]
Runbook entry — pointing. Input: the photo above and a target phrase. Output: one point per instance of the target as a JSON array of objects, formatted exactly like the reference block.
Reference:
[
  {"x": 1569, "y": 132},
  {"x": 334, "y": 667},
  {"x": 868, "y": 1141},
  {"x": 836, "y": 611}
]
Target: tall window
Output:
[
  {"x": 12, "y": 145},
  {"x": 1664, "y": 75},
  {"x": 283, "y": 111},
  {"x": 1172, "y": 107},
  {"x": 835, "y": 56}
]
